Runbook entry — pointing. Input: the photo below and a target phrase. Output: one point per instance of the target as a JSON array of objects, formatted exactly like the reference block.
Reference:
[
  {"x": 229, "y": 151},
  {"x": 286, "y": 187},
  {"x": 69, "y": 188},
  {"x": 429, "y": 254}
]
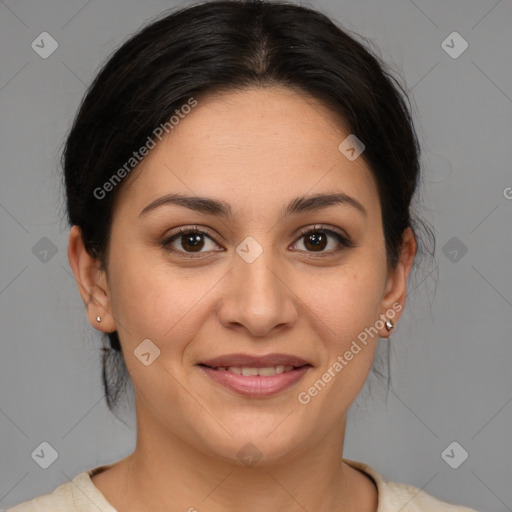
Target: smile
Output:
[
  {"x": 256, "y": 382},
  {"x": 263, "y": 372}
]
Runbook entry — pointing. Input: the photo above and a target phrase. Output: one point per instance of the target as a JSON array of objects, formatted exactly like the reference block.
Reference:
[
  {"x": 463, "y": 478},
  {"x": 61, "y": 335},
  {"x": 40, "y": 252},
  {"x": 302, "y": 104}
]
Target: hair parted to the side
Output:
[{"x": 218, "y": 46}]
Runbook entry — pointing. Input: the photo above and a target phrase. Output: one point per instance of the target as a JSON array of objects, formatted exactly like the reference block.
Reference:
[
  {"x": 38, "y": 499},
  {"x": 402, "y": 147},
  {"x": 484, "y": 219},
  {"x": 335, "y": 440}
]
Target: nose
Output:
[{"x": 258, "y": 297}]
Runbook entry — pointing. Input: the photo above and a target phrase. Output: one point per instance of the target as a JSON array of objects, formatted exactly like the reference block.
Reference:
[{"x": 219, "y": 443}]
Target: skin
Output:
[{"x": 256, "y": 149}]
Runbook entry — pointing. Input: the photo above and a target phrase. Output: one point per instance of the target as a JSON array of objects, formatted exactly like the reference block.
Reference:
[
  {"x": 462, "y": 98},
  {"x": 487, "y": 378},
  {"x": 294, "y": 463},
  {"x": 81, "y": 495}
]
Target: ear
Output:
[
  {"x": 92, "y": 282},
  {"x": 396, "y": 284}
]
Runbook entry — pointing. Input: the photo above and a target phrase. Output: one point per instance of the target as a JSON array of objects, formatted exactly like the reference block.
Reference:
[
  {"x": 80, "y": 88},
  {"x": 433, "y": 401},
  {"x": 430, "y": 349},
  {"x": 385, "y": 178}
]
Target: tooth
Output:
[
  {"x": 263, "y": 372},
  {"x": 249, "y": 371}
]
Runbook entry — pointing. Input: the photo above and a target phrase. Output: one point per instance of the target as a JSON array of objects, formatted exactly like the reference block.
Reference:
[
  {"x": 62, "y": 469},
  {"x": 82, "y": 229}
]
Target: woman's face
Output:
[{"x": 252, "y": 285}]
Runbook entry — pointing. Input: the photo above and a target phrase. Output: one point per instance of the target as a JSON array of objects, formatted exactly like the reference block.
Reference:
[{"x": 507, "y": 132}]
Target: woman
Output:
[{"x": 238, "y": 182}]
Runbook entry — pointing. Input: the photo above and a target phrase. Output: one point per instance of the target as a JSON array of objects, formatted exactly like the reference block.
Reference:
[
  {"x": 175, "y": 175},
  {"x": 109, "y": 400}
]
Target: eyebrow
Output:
[{"x": 302, "y": 204}]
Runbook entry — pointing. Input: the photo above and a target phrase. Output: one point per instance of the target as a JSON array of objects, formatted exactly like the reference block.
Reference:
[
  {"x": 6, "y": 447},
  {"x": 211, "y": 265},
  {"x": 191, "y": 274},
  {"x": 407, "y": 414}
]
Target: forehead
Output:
[{"x": 253, "y": 147}]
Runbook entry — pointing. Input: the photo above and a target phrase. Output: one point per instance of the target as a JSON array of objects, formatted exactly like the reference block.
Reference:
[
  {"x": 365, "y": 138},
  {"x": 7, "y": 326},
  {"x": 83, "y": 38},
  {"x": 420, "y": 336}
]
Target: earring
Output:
[
  {"x": 98, "y": 318},
  {"x": 389, "y": 325}
]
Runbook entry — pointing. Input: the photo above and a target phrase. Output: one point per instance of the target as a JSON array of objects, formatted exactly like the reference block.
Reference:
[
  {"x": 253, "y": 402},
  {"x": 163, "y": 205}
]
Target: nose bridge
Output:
[
  {"x": 258, "y": 280},
  {"x": 257, "y": 297}
]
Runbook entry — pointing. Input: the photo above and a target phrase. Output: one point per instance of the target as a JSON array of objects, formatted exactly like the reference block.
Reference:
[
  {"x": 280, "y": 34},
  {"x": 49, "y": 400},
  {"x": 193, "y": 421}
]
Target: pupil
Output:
[
  {"x": 194, "y": 240},
  {"x": 318, "y": 240}
]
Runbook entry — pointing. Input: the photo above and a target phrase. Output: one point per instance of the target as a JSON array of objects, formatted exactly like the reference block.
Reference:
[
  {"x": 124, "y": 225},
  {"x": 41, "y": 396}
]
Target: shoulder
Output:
[
  {"x": 395, "y": 496},
  {"x": 60, "y": 499},
  {"x": 398, "y": 496},
  {"x": 77, "y": 495}
]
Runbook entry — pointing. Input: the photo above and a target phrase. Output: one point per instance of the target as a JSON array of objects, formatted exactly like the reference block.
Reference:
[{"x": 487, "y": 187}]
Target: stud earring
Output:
[
  {"x": 389, "y": 325},
  {"x": 98, "y": 318}
]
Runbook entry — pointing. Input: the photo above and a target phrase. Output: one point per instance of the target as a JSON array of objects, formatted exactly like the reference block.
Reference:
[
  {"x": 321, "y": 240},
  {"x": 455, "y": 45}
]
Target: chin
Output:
[{"x": 261, "y": 446}]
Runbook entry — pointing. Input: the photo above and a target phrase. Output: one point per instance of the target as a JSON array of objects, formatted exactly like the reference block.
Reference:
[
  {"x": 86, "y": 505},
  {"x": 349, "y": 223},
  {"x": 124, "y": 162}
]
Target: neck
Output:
[{"x": 165, "y": 473}]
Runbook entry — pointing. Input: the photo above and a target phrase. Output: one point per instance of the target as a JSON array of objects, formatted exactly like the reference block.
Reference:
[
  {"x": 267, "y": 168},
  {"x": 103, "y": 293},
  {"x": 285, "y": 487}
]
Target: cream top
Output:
[{"x": 81, "y": 495}]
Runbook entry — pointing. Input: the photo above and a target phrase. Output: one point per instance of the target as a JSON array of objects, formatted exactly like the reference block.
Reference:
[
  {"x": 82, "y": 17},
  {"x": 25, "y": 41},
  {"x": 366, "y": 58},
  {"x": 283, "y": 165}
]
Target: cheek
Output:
[
  {"x": 152, "y": 299},
  {"x": 345, "y": 301},
  {"x": 346, "y": 305}
]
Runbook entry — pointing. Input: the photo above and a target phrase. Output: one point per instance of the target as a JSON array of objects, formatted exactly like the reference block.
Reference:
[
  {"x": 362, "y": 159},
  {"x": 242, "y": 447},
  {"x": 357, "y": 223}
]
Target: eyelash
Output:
[{"x": 344, "y": 241}]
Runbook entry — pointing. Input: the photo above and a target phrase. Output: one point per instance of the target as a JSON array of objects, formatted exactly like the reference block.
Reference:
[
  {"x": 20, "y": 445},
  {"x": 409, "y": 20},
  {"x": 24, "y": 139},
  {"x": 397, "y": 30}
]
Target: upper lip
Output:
[{"x": 249, "y": 361}]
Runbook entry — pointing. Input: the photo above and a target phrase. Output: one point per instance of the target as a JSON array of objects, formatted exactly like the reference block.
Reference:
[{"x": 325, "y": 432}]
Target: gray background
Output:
[{"x": 451, "y": 355}]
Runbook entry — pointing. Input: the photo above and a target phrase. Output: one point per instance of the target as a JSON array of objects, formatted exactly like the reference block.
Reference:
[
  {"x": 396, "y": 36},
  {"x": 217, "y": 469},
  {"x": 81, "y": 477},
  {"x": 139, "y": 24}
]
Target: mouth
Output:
[
  {"x": 248, "y": 371},
  {"x": 254, "y": 376}
]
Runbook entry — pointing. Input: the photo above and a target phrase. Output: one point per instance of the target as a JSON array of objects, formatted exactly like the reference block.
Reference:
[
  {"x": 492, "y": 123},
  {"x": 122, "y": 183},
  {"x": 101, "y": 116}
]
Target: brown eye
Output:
[
  {"x": 318, "y": 239},
  {"x": 192, "y": 241},
  {"x": 189, "y": 241},
  {"x": 315, "y": 241}
]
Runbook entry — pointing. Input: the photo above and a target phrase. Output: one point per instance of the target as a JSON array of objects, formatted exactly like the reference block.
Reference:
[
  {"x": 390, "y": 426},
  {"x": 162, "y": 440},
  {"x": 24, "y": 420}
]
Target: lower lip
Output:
[{"x": 255, "y": 385}]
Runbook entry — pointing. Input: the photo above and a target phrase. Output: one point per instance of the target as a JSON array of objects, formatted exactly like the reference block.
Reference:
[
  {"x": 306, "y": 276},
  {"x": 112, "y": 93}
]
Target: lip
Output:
[
  {"x": 250, "y": 361},
  {"x": 255, "y": 385}
]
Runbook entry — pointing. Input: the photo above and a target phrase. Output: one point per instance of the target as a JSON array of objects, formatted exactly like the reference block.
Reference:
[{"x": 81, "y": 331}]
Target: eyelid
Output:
[
  {"x": 325, "y": 228},
  {"x": 193, "y": 228}
]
